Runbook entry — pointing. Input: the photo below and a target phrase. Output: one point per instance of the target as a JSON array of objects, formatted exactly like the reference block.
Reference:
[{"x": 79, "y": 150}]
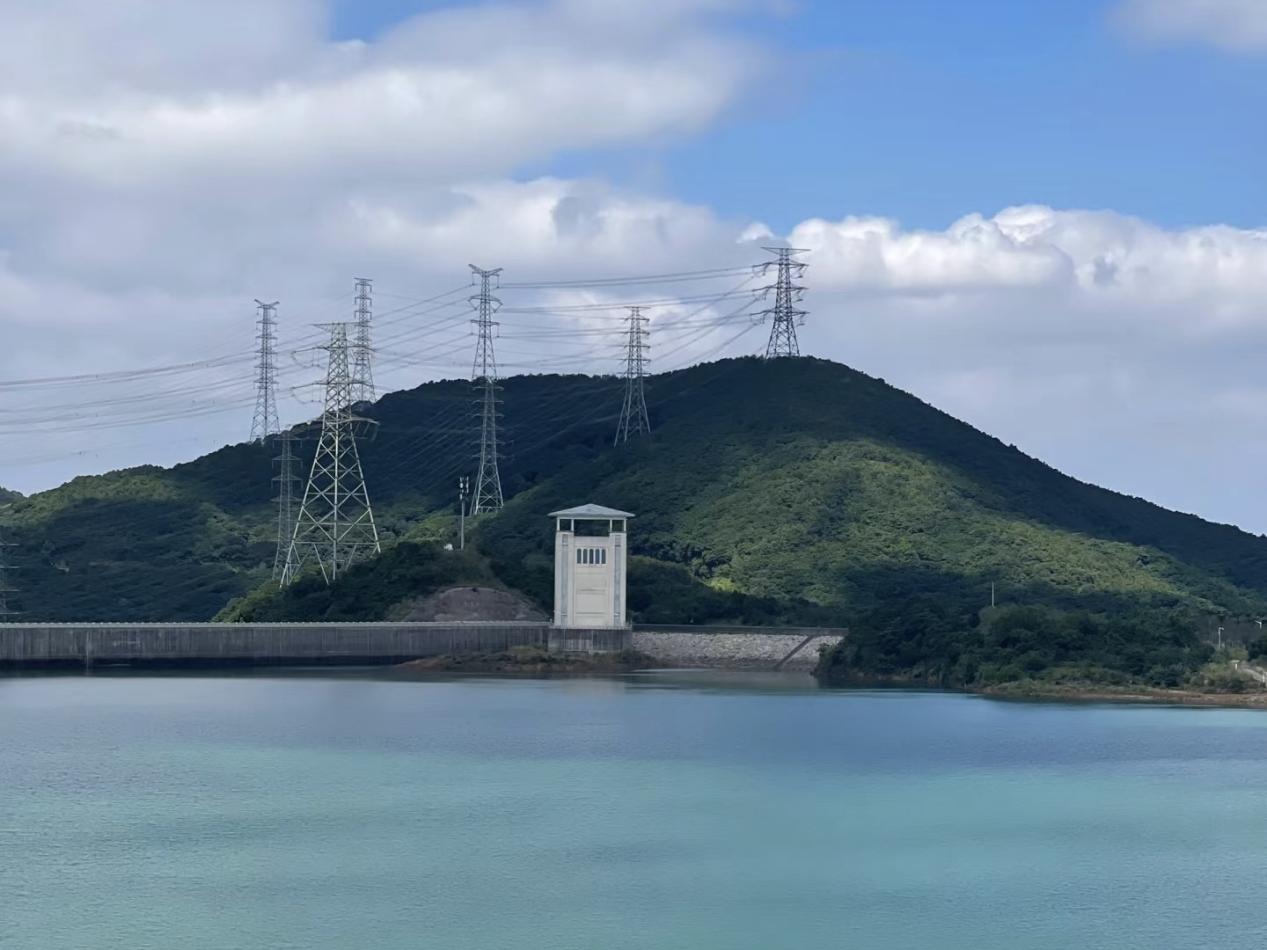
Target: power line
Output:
[
  {"x": 155, "y": 417},
  {"x": 600, "y": 415},
  {"x": 47, "y": 457},
  {"x": 488, "y": 480},
  {"x": 633, "y": 414},
  {"x": 401, "y": 313},
  {"x": 658, "y": 303},
  {"x": 335, "y": 526},
  {"x": 197, "y": 389},
  {"x": 784, "y": 315},
  {"x": 540, "y": 424},
  {"x": 671, "y": 278},
  {"x": 189, "y": 401},
  {"x": 125, "y": 375}
]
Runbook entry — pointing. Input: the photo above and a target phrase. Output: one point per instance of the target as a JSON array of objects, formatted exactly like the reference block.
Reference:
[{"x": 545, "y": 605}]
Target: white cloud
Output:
[
  {"x": 974, "y": 253},
  {"x": 199, "y": 150},
  {"x": 96, "y": 92},
  {"x": 1086, "y": 257},
  {"x": 75, "y": 48},
  {"x": 1232, "y": 24},
  {"x": 157, "y": 180},
  {"x": 546, "y": 223}
]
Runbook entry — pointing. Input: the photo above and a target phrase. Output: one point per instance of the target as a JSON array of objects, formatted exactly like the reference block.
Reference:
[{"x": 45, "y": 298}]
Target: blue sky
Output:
[{"x": 923, "y": 110}]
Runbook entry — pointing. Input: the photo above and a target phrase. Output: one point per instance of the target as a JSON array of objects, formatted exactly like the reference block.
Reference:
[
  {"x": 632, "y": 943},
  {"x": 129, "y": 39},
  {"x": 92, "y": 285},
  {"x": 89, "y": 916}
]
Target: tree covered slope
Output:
[
  {"x": 769, "y": 491},
  {"x": 806, "y": 479}
]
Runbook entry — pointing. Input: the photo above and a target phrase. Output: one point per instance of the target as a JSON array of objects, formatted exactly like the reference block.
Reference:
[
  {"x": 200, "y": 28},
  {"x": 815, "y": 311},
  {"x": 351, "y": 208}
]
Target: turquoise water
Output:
[{"x": 259, "y": 813}]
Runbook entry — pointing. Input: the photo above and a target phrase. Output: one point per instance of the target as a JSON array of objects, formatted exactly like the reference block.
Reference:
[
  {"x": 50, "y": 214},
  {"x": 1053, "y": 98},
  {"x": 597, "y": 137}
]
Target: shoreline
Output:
[
  {"x": 533, "y": 662},
  {"x": 1124, "y": 695},
  {"x": 1067, "y": 693}
]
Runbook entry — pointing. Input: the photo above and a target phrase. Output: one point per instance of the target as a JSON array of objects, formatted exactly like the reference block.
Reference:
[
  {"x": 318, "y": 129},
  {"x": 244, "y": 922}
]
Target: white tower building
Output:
[{"x": 590, "y": 556}]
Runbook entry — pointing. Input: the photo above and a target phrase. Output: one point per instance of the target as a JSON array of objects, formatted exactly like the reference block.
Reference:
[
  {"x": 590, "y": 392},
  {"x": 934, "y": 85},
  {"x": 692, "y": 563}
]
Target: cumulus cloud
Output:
[
  {"x": 1232, "y": 24},
  {"x": 165, "y": 163},
  {"x": 1085, "y": 256},
  {"x": 546, "y": 223},
  {"x": 974, "y": 253},
  {"x": 431, "y": 100}
]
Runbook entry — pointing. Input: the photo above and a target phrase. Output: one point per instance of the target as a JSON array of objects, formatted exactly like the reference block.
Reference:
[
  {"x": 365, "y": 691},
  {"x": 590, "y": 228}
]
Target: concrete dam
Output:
[{"x": 88, "y": 646}]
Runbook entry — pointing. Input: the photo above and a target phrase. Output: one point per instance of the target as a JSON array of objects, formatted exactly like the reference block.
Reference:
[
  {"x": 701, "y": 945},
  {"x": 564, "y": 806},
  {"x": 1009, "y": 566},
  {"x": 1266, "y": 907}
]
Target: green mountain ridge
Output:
[{"x": 784, "y": 490}]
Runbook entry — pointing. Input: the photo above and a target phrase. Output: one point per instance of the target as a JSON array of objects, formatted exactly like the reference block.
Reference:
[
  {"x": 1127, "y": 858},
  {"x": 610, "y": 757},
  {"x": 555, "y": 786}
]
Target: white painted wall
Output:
[{"x": 589, "y": 580}]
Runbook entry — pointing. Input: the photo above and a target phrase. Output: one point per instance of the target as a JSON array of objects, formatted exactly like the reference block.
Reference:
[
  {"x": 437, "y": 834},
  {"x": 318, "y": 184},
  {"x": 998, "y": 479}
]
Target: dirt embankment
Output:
[{"x": 465, "y": 604}]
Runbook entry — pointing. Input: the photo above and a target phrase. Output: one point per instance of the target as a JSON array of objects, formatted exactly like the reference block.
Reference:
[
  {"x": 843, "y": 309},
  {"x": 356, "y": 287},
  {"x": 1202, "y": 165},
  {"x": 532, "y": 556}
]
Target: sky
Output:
[{"x": 1046, "y": 218}]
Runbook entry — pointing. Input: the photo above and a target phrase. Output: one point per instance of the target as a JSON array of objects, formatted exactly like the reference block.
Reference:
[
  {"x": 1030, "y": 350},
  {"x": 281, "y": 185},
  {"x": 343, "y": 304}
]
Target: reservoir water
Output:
[{"x": 659, "y": 811}]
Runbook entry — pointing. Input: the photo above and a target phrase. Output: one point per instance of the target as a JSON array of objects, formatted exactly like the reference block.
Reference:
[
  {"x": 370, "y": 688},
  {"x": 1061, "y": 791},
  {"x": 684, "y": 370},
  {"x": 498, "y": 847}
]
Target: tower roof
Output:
[{"x": 596, "y": 512}]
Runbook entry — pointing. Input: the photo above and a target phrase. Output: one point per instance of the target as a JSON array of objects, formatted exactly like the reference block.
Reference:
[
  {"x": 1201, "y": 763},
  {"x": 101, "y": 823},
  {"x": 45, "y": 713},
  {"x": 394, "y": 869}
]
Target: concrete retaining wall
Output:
[
  {"x": 264, "y": 644},
  {"x": 599, "y": 640},
  {"x": 86, "y": 646},
  {"x": 740, "y": 648}
]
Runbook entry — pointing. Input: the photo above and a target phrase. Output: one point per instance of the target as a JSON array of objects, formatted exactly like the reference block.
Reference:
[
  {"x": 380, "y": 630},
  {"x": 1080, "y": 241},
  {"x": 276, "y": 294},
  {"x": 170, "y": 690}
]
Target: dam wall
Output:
[{"x": 87, "y": 646}]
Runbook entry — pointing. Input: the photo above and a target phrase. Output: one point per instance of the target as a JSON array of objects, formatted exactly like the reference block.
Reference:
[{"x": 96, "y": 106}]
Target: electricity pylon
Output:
[
  {"x": 265, "y": 422},
  {"x": 335, "y": 527},
  {"x": 464, "y": 489},
  {"x": 362, "y": 368},
  {"x": 6, "y": 608},
  {"x": 633, "y": 415},
  {"x": 285, "y": 503},
  {"x": 488, "y": 480},
  {"x": 784, "y": 315}
]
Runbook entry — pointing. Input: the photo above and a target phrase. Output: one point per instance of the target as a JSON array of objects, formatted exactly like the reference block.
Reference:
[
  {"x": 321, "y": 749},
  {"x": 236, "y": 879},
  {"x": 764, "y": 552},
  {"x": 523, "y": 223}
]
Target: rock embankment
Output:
[{"x": 795, "y": 650}]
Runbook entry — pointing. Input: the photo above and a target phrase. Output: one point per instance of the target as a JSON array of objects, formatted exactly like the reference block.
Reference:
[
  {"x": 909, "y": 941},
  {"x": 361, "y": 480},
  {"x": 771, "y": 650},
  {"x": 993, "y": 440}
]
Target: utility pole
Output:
[
  {"x": 464, "y": 487},
  {"x": 633, "y": 414},
  {"x": 6, "y": 609},
  {"x": 286, "y": 463},
  {"x": 488, "y": 480},
  {"x": 362, "y": 369},
  {"x": 784, "y": 314},
  {"x": 265, "y": 422},
  {"x": 335, "y": 526}
]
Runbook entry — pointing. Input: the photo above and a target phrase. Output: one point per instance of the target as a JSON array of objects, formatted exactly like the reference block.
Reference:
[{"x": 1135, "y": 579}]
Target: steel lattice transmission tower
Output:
[
  {"x": 286, "y": 478},
  {"x": 335, "y": 527},
  {"x": 265, "y": 422},
  {"x": 633, "y": 415},
  {"x": 6, "y": 608},
  {"x": 784, "y": 315},
  {"x": 488, "y": 481},
  {"x": 362, "y": 370}
]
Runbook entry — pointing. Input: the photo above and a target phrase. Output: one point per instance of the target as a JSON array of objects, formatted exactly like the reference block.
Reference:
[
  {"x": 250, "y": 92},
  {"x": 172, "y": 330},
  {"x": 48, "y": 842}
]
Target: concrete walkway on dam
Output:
[{"x": 86, "y": 646}]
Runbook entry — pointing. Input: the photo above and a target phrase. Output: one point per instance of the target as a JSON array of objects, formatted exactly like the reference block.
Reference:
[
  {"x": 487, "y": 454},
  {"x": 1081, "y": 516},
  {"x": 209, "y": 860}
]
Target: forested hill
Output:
[{"x": 788, "y": 489}]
